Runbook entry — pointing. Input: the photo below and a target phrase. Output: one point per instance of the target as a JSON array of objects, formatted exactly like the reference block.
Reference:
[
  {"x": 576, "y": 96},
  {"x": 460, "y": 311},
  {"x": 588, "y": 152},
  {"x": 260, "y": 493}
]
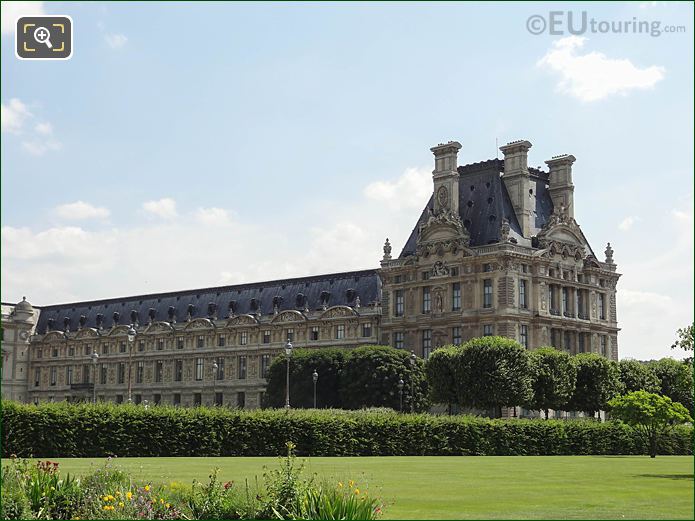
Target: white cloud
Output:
[
  {"x": 213, "y": 216},
  {"x": 410, "y": 191},
  {"x": 13, "y": 116},
  {"x": 627, "y": 223},
  {"x": 37, "y": 148},
  {"x": 115, "y": 41},
  {"x": 164, "y": 208},
  {"x": 45, "y": 128},
  {"x": 10, "y": 11},
  {"x": 594, "y": 76},
  {"x": 80, "y": 210}
]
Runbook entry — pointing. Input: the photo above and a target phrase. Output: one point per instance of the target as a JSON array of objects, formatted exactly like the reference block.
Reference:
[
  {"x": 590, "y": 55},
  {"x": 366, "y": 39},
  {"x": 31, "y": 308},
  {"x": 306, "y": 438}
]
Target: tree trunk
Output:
[
  {"x": 546, "y": 413},
  {"x": 652, "y": 446}
]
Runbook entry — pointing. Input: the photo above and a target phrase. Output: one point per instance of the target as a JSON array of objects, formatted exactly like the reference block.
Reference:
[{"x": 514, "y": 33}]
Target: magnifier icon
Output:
[{"x": 43, "y": 35}]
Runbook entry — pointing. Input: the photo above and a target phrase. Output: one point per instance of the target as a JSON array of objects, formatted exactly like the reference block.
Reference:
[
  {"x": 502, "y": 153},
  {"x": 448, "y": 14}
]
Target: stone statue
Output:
[
  {"x": 609, "y": 254},
  {"x": 504, "y": 231},
  {"x": 387, "y": 250}
]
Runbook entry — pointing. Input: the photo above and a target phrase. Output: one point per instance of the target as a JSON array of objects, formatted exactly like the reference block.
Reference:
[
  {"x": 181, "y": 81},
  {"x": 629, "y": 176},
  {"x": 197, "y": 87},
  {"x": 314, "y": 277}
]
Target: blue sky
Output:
[{"x": 194, "y": 144}]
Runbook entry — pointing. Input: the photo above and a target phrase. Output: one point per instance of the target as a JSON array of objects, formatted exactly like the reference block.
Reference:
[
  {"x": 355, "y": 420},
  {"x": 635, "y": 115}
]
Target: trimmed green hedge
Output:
[{"x": 68, "y": 430}]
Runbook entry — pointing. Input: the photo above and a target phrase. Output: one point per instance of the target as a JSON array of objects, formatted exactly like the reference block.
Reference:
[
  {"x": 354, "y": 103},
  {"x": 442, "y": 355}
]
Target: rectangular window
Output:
[
  {"x": 456, "y": 335},
  {"x": 397, "y": 279},
  {"x": 367, "y": 330},
  {"x": 54, "y": 352},
  {"x": 121, "y": 372},
  {"x": 220, "y": 341},
  {"x": 487, "y": 293},
  {"x": 219, "y": 374},
  {"x": 37, "y": 377},
  {"x": 567, "y": 341},
  {"x": 160, "y": 344},
  {"x": 241, "y": 400},
  {"x": 137, "y": 398},
  {"x": 201, "y": 341},
  {"x": 68, "y": 375},
  {"x": 523, "y": 335},
  {"x": 158, "y": 370},
  {"x": 266, "y": 336},
  {"x": 157, "y": 398},
  {"x": 176, "y": 400},
  {"x": 425, "y": 275},
  {"x": 87, "y": 350},
  {"x": 398, "y": 303},
  {"x": 289, "y": 334},
  {"x": 105, "y": 349},
  {"x": 601, "y": 307},
  {"x": 426, "y": 300},
  {"x": 119, "y": 398},
  {"x": 314, "y": 333},
  {"x": 85, "y": 374},
  {"x": 487, "y": 267},
  {"x": 198, "y": 369},
  {"x": 398, "y": 340},
  {"x": 178, "y": 370},
  {"x": 487, "y": 330},
  {"x": 565, "y": 301},
  {"x": 219, "y": 399},
  {"x": 39, "y": 353},
  {"x": 340, "y": 331},
  {"x": 604, "y": 348},
  {"x": 103, "y": 375},
  {"x": 522, "y": 294},
  {"x": 241, "y": 368},
  {"x": 54, "y": 375},
  {"x": 454, "y": 271},
  {"x": 179, "y": 342},
  {"x": 265, "y": 364},
  {"x": 243, "y": 338},
  {"x": 122, "y": 347},
  {"x": 141, "y": 345},
  {"x": 140, "y": 372},
  {"x": 197, "y": 399},
  {"x": 426, "y": 343},
  {"x": 71, "y": 351},
  {"x": 456, "y": 296}
]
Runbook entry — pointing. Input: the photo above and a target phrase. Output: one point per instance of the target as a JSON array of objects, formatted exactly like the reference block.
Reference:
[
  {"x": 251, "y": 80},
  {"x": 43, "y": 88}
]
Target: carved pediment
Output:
[
  {"x": 289, "y": 316},
  {"x": 119, "y": 330},
  {"x": 562, "y": 236},
  {"x": 242, "y": 320},
  {"x": 158, "y": 328},
  {"x": 441, "y": 233},
  {"x": 86, "y": 332},
  {"x": 53, "y": 336},
  {"x": 199, "y": 323},
  {"x": 339, "y": 312}
]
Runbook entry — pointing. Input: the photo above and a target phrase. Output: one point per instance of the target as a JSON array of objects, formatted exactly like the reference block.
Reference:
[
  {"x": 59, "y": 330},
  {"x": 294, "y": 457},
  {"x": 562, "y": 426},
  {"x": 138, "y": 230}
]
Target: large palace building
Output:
[{"x": 496, "y": 251}]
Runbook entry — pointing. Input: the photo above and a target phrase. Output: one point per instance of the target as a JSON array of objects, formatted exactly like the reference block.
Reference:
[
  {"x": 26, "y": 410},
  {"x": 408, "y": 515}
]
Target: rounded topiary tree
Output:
[
  {"x": 492, "y": 372},
  {"x": 441, "y": 379},
  {"x": 370, "y": 379},
  {"x": 553, "y": 378},
  {"x": 598, "y": 381},
  {"x": 327, "y": 363},
  {"x": 637, "y": 376}
]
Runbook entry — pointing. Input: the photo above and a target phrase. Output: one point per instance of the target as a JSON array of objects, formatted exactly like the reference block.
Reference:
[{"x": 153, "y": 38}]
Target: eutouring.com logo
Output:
[{"x": 560, "y": 23}]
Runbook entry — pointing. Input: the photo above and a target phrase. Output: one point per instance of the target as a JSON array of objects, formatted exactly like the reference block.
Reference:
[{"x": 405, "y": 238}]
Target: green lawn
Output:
[{"x": 560, "y": 487}]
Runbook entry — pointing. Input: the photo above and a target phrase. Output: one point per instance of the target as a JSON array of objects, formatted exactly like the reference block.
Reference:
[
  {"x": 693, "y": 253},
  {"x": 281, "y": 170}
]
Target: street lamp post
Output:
[
  {"x": 95, "y": 358},
  {"x": 315, "y": 378},
  {"x": 288, "y": 355},
  {"x": 215, "y": 367},
  {"x": 131, "y": 340},
  {"x": 401, "y": 383},
  {"x": 413, "y": 359}
]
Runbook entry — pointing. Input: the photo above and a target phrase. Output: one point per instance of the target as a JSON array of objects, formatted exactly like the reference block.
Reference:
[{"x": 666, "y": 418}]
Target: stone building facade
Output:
[{"x": 496, "y": 251}]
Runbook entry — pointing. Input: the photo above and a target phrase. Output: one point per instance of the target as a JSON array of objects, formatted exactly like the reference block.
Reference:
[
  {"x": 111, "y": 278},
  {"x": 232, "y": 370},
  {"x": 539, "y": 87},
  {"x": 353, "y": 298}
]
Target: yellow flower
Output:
[
  {"x": 351, "y": 483},
  {"x": 147, "y": 488},
  {"x": 161, "y": 500},
  {"x": 340, "y": 484},
  {"x": 167, "y": 505},
  {"x": 357, "y": 491},
  {"x": 129, "y": 495},
  {"x": 118, "y": 493},
  {"x": 120, "y": 504},
  {"x": 106, "y": 498}
]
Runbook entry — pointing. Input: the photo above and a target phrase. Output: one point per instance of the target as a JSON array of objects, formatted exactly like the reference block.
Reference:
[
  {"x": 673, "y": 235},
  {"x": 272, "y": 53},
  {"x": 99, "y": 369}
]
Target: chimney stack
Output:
[
  {"x": 446, "y": 177},
  {"x": 561, "y": 188},
  {"x": 516, "y": 179}
]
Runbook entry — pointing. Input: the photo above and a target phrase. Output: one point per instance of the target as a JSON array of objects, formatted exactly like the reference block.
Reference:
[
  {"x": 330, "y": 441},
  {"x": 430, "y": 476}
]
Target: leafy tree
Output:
[
  {"x": 637, "y": 376},
  {"x": 493, "y": 372},
  {"x": 370, "y": 379},
  {"x": 676, "y": 380},
  {"x": 441, "y": 378},
  {"x": 598, "y": 381},
  {"x": 553, "y": 378},
  {"x": 328, "y": 363},
  {"x": 651, "y": 414},
  {"x": 685, "y": 338}
]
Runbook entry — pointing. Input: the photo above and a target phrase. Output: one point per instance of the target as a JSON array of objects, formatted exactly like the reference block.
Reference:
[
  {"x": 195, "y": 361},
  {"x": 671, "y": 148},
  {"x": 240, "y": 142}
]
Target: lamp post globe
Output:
[
  {"x": 315, "y": 378},
  {"x": 215, "y": 368},
  {"x": 95, "y": 358},
  {"x": 401, "y": 383},
  {"x": 412, "y": 360},
  {"x": 131, "y": 333},
  {"x": 288, "y": 355}
]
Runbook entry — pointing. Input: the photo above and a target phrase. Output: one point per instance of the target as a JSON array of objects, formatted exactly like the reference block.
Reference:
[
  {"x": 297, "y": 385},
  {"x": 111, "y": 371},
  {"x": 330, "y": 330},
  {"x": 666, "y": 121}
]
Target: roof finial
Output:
[
  {"x": 387, "y": 250},
  {"x": 609, "y": 254}
]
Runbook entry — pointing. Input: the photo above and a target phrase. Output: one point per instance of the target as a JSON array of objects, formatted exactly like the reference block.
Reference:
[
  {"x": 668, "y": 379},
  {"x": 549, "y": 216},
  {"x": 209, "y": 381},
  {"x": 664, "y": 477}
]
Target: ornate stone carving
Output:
[
  {"x": 439, "y": 270},
  {"x": 504, "y": 231},
  {"x": 289, "y": 316},
  {"x": 443, "y": 197},
  {"x": 442, "y": 232},
  {"x": 387, "y": 250},
  {"x": 609, "y": 254},
  {"x": 339, "y": 312}
]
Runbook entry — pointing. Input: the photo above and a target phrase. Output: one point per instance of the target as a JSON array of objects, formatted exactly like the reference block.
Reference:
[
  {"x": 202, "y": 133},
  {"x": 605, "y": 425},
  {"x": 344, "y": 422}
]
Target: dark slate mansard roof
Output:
[
  {"x": 339, "y": 288},
  {"x": 484, "y": 202}
]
